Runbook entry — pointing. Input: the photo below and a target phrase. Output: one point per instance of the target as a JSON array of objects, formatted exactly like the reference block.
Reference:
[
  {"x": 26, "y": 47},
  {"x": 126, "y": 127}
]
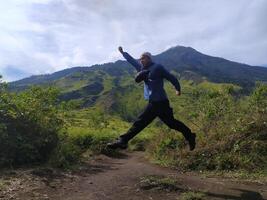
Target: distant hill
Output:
[
  {"x": 214, "y": 69},
  {"x": 89, "y": 83}
]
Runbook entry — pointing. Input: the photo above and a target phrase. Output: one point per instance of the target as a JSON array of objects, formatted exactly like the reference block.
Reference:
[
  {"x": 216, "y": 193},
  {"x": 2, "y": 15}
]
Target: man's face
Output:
[{"x": 145, "y": 60}]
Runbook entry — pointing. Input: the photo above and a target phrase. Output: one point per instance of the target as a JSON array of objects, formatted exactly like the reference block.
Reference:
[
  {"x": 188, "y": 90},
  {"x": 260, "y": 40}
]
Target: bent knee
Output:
[{"x": 172, "y": 125}]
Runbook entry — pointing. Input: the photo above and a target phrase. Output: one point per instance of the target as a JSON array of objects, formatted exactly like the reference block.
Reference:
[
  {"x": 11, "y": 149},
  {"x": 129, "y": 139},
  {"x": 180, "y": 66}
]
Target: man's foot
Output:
[
  {"x": 118, "y": 144},
  {"x": 192, "y": 141}
]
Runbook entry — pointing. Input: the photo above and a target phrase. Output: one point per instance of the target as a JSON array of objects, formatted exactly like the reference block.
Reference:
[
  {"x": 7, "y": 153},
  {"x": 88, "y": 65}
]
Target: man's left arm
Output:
[{"x": 170, "y": 77}]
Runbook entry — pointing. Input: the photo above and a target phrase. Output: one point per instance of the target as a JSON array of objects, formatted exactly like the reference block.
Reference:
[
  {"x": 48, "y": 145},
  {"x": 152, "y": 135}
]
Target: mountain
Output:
[
  {"x": 90, "y": 83},
  {"x": 214, "y": 69}
]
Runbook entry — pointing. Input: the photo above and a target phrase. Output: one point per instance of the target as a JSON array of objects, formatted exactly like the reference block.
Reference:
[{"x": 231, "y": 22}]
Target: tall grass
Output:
[{"x": 231, "y": 132}]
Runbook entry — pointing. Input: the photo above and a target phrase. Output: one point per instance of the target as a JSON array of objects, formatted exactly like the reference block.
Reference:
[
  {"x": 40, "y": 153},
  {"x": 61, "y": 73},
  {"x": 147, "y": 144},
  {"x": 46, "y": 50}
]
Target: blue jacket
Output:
[{"x": 153, "y": 87}]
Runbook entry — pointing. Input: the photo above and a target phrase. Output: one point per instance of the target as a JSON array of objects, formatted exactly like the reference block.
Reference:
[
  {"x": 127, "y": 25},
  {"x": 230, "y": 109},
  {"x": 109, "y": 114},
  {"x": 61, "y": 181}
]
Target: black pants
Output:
[{"x": 159, "y": 109}]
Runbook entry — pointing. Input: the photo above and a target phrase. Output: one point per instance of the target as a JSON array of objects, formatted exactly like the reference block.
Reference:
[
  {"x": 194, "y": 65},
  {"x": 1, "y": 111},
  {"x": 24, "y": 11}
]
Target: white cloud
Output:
[{"x": 40, "y": 36}]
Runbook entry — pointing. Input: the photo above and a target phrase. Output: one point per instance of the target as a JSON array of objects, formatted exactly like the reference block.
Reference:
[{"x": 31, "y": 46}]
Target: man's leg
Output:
[
  {"x": 166, "y": 115},
  {"x": 144, "y": 119}
]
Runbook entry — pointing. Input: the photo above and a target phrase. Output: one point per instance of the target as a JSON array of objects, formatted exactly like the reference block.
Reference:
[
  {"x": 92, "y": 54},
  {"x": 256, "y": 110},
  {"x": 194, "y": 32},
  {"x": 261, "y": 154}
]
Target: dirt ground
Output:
[{"x": 122, "y": 178}]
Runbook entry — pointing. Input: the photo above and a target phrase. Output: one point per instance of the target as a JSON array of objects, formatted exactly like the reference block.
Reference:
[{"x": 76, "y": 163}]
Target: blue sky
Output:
[{"x": 43, "y": 36}]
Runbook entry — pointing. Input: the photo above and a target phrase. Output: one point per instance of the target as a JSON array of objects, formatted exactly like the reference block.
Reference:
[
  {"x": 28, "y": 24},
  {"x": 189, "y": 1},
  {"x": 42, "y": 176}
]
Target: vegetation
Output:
[
  {"x": 231, "y": 131},
  {"x": 231, "y": 127},
  {"x": 155, "y": 182},
  {"x": 193, "y": 196},
  {"x": 29, "y": 125},
  {"x": 87, "y": 132}
]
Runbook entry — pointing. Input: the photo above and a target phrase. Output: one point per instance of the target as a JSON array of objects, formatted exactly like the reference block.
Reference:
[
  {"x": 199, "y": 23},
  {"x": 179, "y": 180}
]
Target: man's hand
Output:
[
  {"x": 178, "y": 93},
  {"x": 120, "y": 49},
  {"x": 141, "y": 76}
]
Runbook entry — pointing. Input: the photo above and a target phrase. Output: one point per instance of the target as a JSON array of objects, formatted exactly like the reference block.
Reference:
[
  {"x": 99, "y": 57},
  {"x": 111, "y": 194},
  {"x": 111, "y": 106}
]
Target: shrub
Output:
[
  {"x": 29, "y": 125},
  {"x": 231, "y": 132}
]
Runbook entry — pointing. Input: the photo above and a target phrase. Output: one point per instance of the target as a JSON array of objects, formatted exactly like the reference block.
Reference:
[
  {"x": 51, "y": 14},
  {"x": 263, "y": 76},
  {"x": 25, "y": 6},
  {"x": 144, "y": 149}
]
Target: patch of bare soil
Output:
[{"x": 127, "y": 177}]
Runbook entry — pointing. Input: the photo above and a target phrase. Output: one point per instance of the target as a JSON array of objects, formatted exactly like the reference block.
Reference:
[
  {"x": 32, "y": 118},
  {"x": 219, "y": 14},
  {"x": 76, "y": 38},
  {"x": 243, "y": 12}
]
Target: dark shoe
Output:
[
  {"x": 118, "y": 144},
  {"x": 192, "y": 141}
]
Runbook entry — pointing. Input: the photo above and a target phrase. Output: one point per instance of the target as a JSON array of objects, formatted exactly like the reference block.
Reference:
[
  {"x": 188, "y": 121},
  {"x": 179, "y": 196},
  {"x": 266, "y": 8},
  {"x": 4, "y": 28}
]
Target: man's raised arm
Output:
[{"x": 131, "y": 60}]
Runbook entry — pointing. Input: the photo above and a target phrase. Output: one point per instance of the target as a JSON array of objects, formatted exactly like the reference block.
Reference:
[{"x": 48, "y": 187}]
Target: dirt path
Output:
[{"x": 106, "y": 178}]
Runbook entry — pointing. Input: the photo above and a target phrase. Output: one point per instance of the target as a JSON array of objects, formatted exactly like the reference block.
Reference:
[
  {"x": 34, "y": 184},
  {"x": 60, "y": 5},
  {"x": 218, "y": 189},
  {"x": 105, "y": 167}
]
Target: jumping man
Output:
[{"x": 158, "y": 105}]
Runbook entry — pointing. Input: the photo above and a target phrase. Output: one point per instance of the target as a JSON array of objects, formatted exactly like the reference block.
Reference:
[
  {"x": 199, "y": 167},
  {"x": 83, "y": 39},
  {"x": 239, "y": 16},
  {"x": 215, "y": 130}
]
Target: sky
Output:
[{"x": 44, "y": 36}]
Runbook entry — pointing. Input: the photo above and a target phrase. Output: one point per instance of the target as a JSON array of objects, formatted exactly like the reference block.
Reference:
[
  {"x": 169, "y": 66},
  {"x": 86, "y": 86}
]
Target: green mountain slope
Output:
[{"x": 88, "y": 84}]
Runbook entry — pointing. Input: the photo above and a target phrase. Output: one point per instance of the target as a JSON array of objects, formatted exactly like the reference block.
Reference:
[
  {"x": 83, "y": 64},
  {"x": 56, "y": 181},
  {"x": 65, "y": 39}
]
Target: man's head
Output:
[{"x": 146, "y": 59}]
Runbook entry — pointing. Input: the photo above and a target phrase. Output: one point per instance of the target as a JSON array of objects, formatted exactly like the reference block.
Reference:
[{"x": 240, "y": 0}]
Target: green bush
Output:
[
  {"x": 85, "y": 133},
  {"x": 231, "y": 130},
  {"x": 29, "y": 125},
  {"x": 66, "y": 153}
]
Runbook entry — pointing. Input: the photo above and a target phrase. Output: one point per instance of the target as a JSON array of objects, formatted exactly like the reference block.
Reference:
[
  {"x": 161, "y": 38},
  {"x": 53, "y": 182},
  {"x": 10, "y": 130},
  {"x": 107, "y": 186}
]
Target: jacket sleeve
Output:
[
  {"x": 141, "y": 76},
  {"x": 170, "y": 77},
  {"x": 132, "y": 61}
]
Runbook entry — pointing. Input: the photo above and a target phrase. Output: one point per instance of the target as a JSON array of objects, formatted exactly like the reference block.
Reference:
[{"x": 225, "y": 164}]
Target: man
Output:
[{"x": 158, "y": 104}]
